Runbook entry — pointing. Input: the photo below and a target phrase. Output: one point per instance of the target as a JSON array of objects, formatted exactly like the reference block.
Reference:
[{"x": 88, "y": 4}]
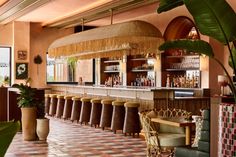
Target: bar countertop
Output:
[{"x": 139, "y": 88}]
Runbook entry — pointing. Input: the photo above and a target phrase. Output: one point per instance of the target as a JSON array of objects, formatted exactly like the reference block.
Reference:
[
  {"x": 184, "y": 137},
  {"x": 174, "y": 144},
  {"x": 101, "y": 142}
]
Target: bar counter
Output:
[{"x": 149, "y": 97}]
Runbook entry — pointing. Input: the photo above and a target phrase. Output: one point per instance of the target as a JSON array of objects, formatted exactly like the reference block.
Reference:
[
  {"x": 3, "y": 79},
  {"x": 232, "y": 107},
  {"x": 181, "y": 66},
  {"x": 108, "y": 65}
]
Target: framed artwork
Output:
[
  {"x": 21, "y": 70},
  {"x": 21, "y": 55}
]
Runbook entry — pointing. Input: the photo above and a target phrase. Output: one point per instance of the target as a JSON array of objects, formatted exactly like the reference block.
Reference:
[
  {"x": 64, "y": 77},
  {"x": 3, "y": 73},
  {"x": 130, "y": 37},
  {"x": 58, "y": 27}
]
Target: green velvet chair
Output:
[
  {"x": 203, "y": 149},
  {"x": 160, "y": 138},
  {"x": 7, "y": 132}
]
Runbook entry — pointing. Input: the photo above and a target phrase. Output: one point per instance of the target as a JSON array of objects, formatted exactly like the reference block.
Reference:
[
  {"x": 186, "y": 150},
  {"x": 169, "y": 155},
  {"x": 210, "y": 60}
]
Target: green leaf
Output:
[
  {"x": 214, "y": 18},
  {"x": 234, "y": 57},
  {"x": 197, "y": 46},
  {"x": 166, "y": 5},
  {"x": 7, "y": 132}
]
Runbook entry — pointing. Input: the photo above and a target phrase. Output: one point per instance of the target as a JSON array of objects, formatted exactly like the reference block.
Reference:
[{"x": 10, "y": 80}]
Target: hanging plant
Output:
[
  {"x": 71, "y": 61},
  {"x": 38, "y": 60}
]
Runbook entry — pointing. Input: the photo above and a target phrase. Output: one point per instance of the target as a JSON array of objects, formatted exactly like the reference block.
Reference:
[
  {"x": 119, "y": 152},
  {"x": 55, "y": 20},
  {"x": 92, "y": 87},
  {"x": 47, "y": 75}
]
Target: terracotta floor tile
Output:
[{"x": 67, "y": 139}]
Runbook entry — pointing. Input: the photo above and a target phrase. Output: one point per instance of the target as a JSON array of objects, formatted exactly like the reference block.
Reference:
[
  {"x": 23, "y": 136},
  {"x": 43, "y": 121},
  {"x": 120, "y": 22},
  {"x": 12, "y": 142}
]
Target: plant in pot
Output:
[
  {"x": 217, "y": 20},
  {"x": 27, "y": 104},
  {"x": 42, "y": 128}
]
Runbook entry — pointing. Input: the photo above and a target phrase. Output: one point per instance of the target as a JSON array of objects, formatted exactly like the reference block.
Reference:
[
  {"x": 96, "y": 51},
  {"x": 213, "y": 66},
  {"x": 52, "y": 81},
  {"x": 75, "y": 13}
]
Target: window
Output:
[
  {"x": 69, "y": 70},
  {"x": 5, "y": 65}
]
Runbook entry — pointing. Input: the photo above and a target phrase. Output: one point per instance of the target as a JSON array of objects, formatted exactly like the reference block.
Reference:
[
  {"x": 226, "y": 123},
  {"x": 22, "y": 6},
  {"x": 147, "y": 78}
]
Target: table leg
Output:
[{"x": 188, "y": 135}]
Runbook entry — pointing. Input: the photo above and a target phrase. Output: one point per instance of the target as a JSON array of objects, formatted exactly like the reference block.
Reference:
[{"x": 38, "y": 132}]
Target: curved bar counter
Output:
[{"x": 191, "y": 99}]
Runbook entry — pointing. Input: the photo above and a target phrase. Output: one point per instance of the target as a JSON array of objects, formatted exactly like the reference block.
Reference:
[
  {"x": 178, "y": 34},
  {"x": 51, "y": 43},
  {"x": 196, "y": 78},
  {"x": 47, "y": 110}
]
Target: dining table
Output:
[{"x": 178, "y": 122}]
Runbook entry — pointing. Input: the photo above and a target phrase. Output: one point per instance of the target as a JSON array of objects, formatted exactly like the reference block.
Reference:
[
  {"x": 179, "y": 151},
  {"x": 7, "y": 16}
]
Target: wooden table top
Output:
[{"x": 174, "y": 121}]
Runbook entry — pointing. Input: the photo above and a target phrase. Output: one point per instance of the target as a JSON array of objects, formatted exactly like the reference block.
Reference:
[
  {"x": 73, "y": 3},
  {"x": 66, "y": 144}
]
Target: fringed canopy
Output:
[{"x": 129, "y": 38}]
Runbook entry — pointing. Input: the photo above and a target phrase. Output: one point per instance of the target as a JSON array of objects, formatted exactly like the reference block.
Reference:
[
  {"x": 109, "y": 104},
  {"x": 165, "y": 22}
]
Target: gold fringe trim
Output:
[{"x": 110, "y": 47}]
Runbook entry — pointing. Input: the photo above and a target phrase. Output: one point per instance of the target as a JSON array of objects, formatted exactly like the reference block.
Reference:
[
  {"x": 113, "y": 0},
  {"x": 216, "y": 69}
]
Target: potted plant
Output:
[
  {"x": 27, "y": 103},
  {"x": 42, "y": 128},
  {"x": 218, "y": 20}
]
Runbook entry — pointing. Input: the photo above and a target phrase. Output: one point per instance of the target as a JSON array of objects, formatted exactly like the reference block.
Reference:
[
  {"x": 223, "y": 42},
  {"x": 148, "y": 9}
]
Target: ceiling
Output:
[{"x": 69, "y": 13}]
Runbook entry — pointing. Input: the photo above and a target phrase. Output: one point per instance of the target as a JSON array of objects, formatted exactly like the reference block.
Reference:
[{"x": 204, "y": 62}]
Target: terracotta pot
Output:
[
  {"x": 28, "y": 119},
  {"x": 42, "y": 129}
]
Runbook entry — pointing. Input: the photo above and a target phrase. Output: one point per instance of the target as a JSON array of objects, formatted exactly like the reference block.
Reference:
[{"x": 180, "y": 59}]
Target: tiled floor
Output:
[{"x": 70, "y": 139}]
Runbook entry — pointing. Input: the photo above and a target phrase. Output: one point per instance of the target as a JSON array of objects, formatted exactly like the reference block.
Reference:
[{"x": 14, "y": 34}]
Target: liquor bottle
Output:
[{"x": 168, "y": 81}]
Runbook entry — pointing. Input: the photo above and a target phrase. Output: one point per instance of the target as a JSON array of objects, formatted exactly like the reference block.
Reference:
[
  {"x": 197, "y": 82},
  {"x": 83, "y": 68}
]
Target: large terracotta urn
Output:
[
  {"x": 42, "y": 129},
  {"x": 28, "y": 119}
]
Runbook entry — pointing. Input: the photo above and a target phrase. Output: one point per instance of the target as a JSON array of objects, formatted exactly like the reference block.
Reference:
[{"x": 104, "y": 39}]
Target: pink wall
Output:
[
  {"x": 21, "y": 42},
  {"x": 6, "y": 34}
]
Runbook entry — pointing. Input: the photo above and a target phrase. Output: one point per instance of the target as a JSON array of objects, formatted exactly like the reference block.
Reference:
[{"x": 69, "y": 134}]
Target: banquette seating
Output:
[{"x": 203, "y": 149}]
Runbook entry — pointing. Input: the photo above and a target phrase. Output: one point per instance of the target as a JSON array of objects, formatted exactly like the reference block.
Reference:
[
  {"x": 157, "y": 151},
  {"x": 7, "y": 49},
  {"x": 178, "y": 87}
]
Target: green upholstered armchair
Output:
[
  {"x": 203, "y": 149},
  {"x": 161, "y": 138},
  {"x": 7, "y": 132}
]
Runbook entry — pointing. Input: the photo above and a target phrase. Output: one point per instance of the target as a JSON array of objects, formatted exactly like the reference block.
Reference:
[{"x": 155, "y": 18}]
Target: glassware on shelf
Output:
[{"x": 223, "y": 82}]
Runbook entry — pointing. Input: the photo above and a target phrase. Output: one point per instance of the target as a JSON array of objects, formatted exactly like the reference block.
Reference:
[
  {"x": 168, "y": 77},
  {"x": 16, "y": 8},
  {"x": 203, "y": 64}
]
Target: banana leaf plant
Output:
[
  {"x": 214, "y": 18},
  {"x": 7, "y": 132}
]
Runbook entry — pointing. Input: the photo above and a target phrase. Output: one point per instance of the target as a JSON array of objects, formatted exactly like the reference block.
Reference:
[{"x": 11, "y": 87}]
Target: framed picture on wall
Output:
[
  {"x": 21, "y": 55},
  {"x": 21, "y": 70}
]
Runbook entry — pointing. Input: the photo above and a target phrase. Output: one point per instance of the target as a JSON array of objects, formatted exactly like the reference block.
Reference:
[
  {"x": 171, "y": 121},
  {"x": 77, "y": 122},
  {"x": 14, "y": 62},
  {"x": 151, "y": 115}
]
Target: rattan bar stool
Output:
[
  {"x": 53, "y": 104},
  {"x": 47, "y": 100},
  {"x": 118, "y": 115},
  {"x": 85, "y": 110},
  {"x": 67, "y": 107},
  {"x": 95, "y": 112},
  {"x": 131, "y": 123},
  {"x": 60, "y": 106},
  {"x": 76, "y": 108},
  {"x": 106, "y": 114}
]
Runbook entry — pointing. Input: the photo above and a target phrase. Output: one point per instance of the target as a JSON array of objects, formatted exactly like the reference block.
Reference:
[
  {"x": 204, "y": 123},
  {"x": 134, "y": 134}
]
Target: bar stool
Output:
[
  {"x": 106, "y": 114},
  {"x": 76, "y": 108},
  {"x": 60, "y": 106},
  {"x": 47, "y": 100},
  {"x": 131, "y": 123},
  {"x": 117, "y": 116},
  {"x": 85, "y": 110},
  {"x": 67, "y": 107},
  {"x": 95, "y": 112},
  {"x": 53, "y": 104}
]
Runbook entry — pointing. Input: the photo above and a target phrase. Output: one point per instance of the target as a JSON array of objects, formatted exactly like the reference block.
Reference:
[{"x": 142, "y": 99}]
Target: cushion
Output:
[
  {"x": 170, "y": 140},
  {"x": 205, "y": 125},
  {"x": 205, "y": 136},
  {"x": 186, "y": 152},
  {"x": 198, "y": 124},
  {"x": 204, "y": 146},
  {"x": 164, "y": 128}
]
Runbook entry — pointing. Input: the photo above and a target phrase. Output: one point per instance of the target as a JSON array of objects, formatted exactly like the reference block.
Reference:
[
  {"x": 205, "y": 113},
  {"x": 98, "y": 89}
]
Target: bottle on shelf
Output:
[
  {"x": 113, "y": 80},
  {"x": 142, "y": 80},
  {"x": 168, "y": 81},
  {"x": 183, "y": 81}
]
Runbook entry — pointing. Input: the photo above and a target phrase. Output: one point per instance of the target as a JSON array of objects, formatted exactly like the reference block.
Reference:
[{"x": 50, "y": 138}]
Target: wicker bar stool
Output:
[
  {"x": 117, "y": 116},
  {"x": 85, "y": 110},
  {"x": 95, "y": 112},
  {"x": 60, "y": 106},
  {"x": 47, "y": 100},
  {"x": 67, "y": 107},
  {"x": 131, "y": 123},
  {"x": 53, "y": 104},
  {"x": 76, "y": 108},
  {"x": 106, "y": 114}
]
